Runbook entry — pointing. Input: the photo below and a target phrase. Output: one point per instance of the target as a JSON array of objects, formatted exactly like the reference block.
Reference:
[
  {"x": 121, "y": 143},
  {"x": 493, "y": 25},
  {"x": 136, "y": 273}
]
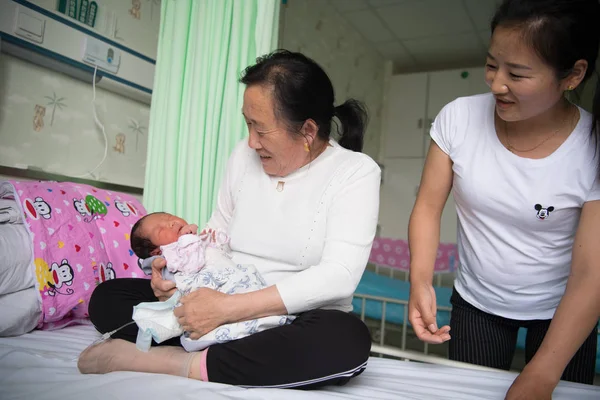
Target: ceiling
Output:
[{"x": 423, "y": 35}]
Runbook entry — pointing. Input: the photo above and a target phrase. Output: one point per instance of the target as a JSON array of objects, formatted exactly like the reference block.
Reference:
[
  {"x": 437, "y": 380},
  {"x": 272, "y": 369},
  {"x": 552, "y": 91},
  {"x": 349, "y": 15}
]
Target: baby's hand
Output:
[
  {"x": 189, "y": 229},
  {"x": 207, "y": 235},
  {"x": 214, "y": 237}
]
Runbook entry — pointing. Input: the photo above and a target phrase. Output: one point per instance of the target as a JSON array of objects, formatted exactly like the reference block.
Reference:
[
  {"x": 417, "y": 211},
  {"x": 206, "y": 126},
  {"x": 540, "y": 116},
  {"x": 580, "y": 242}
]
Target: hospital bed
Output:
[{"x": 42, "y": 364}]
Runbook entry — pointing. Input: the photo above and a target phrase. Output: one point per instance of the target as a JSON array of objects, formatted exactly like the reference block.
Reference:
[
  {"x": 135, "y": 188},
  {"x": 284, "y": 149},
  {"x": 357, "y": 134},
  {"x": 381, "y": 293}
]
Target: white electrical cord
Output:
[
  {"x": 108, "y": 335},
  {"x": 97, "y": 121},
  {"x": 54, "y": 356}
]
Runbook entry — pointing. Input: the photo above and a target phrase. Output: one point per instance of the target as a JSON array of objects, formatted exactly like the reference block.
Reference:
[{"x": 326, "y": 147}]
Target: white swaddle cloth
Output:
[
  {"x": 201, "y": 262},
  {"x": 156, "y": 320}
]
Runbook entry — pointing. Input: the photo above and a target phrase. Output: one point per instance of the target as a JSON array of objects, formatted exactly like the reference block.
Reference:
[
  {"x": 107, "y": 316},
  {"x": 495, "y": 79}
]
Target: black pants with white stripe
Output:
[
  {"x": 489, "y": 340},
  {"x": 320, "y": 347}
]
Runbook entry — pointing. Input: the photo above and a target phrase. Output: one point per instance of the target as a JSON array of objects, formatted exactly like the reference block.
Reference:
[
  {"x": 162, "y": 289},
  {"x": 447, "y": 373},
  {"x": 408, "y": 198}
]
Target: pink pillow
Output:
[{"x": 80, "y": 237}]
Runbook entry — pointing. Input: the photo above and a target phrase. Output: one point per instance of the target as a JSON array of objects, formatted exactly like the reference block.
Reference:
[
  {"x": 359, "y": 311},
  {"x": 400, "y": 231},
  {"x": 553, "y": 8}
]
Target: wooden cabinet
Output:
[{"x": 412, "y": 103}]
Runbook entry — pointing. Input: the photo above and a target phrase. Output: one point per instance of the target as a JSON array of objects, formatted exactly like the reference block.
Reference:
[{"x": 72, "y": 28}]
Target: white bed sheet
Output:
[{"x": 42, "y": 365}]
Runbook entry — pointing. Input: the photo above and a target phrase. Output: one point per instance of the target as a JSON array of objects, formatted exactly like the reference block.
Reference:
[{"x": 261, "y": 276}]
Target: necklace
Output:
[
  {"x": 513, "y": 149},
  {"x": 281, "y": 184}
]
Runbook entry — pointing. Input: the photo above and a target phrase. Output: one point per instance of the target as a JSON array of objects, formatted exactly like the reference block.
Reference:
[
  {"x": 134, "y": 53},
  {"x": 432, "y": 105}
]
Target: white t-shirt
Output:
[
  {"x": 313, "y": 238},
  {"x": 517, "y": 216}
]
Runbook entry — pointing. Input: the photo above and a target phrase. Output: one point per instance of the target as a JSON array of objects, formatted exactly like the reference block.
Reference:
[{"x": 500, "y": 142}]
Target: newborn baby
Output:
[{"x": 193, "y": 261}]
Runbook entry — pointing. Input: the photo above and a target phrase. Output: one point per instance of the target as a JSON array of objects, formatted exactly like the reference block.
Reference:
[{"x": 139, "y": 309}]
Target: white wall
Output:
[
  {"x": 314, "y": 28},
  {"x": 46, "y": 118},
  {"x": 64, "y": 139}
]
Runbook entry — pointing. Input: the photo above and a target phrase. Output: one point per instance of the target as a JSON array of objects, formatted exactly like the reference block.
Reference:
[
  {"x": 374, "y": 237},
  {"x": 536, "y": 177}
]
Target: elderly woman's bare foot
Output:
[{"x": 120, "y": 355}]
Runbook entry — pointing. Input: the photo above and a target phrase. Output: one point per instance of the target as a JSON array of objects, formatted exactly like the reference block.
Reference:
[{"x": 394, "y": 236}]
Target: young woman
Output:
[{"x": 522, "y": 163}]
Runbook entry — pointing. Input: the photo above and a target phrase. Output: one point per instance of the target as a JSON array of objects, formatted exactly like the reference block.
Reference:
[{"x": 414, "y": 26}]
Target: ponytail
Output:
[
  {"x": 596, "y": 120},
  {"x": 301, "y": 91},
  {"x": 354, "y": 118}
]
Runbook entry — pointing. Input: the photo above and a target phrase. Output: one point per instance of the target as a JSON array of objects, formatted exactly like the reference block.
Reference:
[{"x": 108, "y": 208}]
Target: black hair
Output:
[
  {"x": 561, "y": 32},
  {"x": 301, "y": 91},
  {"x": 141, "y": 246}
]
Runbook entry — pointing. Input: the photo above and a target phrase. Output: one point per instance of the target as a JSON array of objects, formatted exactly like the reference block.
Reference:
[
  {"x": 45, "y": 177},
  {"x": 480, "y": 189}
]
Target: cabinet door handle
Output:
[{"x": 420, "y": 123}]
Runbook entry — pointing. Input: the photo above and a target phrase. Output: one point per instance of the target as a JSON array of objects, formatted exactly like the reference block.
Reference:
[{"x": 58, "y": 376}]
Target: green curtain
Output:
[{"x": 195, "y": 118}]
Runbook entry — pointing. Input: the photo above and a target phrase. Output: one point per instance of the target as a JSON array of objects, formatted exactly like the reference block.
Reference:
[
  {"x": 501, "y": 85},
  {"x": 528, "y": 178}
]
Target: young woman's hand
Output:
[
  {"x": 421, "y": 314},
  {"x": 162, "y": 289},
  {"x": 532, "y": 384}
]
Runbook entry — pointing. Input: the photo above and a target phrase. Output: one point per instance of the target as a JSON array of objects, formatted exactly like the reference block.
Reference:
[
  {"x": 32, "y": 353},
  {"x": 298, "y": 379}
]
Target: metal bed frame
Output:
[{"x": 381, "y": 349}]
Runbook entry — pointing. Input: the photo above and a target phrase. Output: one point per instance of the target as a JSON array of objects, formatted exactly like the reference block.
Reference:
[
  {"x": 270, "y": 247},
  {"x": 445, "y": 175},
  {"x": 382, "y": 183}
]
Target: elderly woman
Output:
[{"x": 299, "y": 206}]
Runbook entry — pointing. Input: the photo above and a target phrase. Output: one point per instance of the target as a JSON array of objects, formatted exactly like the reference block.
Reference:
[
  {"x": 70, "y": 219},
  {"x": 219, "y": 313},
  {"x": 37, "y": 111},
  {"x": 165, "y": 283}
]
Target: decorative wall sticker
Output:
[
  {"x": 55, "y": 101},
  {"x": 119, "y": 147},
  {"x": 135, "y": 127},
  {"x": 136, "y": 9},
  {"x": 38, "y": 117}
]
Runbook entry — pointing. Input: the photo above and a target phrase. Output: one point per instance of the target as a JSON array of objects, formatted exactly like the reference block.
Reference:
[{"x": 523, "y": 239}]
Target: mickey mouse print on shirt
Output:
[{"x": 543, "y": 213}]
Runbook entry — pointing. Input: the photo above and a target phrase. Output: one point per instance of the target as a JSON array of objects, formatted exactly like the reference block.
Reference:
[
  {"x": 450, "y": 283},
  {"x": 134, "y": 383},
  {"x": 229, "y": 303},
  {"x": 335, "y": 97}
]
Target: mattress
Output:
[{"x": 42, "y": 365}]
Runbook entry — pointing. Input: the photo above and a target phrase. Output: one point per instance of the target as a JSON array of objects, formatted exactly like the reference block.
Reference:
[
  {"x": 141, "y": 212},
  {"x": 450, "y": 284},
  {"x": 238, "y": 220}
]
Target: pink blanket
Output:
[{"x": 80, "y": 237}]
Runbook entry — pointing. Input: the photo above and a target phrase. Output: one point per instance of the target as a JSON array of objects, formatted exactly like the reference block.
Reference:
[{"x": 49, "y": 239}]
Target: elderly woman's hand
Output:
[
  {"x": 202, "y": 311},
  {"x": 162, "y": 289}
]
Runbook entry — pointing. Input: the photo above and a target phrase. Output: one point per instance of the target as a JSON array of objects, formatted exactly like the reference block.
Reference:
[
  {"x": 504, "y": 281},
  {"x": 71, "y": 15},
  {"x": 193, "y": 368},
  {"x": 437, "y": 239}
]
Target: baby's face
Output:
[{"x": 164, "y": 228}]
